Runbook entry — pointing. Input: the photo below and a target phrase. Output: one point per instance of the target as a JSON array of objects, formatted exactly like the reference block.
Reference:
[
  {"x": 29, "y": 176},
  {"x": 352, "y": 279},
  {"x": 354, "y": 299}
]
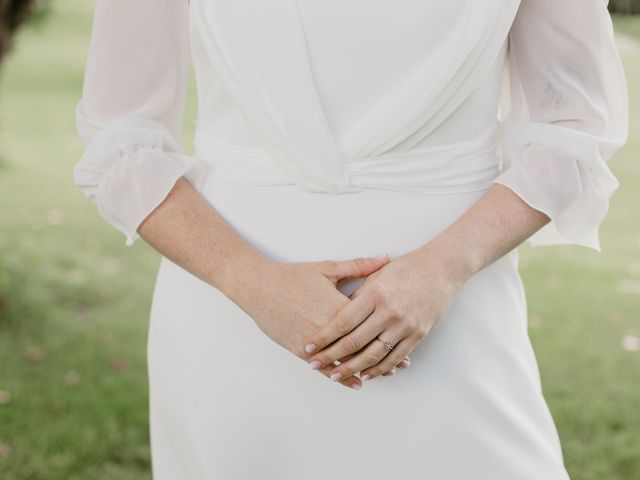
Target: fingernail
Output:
[
  {"x": 310, "y": 348},
  {"x": 392, "y": 371},
  {"x": 365, "y": 377},
  {"x": 404, "y": 364},
  {"x": 381, "y": 256},
  {"x": 315, "y": 365},
  {"x": 336, "y": 376},
  {"x": 356, "y": 386}
]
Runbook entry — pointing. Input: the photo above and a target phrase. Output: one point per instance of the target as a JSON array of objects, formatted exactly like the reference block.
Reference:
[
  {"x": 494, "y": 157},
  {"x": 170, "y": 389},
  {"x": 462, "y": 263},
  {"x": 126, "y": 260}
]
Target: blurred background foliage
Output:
[
  {"x": 13, "y": 14},
  {"x": 624, "y": 6},
  {"x": 74, "y": 302}
]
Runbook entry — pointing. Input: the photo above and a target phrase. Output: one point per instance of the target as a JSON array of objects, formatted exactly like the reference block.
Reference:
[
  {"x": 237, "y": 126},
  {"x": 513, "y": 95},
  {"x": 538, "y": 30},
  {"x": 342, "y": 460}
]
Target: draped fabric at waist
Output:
[{"x": 452, "y": 168}]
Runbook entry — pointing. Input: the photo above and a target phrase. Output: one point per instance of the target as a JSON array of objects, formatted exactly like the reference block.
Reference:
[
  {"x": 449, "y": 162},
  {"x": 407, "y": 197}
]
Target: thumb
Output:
[{"x": 338, "y": 270}]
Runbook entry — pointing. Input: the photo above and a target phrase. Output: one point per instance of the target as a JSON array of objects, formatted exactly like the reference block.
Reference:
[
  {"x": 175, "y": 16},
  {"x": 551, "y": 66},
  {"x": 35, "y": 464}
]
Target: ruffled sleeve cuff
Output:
[
  {"x": 561, "y": 172},
  {"x": 129, "y": 168}
]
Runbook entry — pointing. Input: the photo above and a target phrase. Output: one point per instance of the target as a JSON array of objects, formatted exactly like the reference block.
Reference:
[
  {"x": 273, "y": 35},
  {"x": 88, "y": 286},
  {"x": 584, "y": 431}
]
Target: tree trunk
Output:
[{"x": 12, "y": 14}]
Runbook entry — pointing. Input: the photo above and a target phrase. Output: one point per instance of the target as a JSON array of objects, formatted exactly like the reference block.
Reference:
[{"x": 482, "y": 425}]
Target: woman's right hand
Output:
[
  {"x": 292, "y": 301},
  {"x": 289, "y": 301}
]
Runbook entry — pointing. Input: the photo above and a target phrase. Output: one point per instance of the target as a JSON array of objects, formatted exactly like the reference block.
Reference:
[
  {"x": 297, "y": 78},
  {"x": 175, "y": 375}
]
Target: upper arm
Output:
[
  {"x": 137, "y": 64},
  {"x": 130, "y": 112}
]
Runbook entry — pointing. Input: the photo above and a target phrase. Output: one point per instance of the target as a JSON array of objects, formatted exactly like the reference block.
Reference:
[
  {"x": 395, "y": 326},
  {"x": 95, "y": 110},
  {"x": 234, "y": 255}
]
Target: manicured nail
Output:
[
  {"x": 315, "y": 365},
  {"x": 392, "y": 371},
  {"x": 365, "y": 377},
  {"x": 336, "y": 376},
  {"x": 404, "y": 364},
  {"x": 310, "y": 348},
  {"x": 356, "y": 386},
  {"x": 381, "y": 256}
]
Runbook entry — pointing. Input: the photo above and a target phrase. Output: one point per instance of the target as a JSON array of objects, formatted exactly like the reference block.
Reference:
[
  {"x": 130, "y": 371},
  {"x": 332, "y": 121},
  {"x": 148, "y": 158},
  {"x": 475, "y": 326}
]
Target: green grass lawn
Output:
[
  {"x": 628, "y": 24},
  {"x": 74, "y": 300}
]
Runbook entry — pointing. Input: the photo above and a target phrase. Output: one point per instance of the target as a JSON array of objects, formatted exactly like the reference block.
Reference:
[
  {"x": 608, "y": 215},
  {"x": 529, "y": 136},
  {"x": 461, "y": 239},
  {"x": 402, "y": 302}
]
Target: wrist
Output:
[
  {"x": 454, "y": 262},
  {"x": 238, "y": 272}
]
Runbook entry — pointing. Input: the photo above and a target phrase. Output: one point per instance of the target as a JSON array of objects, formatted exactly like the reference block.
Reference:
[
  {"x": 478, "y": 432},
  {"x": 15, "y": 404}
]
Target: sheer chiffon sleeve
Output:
[
  {"x": 131, "y": 109},
  {"x": 564, "y": 114}
]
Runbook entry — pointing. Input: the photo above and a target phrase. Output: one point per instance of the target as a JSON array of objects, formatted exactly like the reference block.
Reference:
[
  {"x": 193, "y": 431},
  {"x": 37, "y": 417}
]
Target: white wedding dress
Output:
[{"x": 334, "y": 129}]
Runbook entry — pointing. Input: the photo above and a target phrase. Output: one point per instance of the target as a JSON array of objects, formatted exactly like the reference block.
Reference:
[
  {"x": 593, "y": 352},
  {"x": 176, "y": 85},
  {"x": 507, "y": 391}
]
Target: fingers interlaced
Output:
[
  {"x": 355, "y": 340},
  {"x": 348, "y": 318}
]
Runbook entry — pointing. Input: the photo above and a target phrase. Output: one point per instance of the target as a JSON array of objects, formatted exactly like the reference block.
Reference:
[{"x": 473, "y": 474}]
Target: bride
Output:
[{"x": 362, "y": 173}]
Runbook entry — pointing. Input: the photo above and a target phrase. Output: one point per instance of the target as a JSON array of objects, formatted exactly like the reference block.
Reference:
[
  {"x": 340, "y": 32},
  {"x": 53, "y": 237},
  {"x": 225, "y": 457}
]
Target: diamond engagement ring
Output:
[{"x": 388, "y": 345}]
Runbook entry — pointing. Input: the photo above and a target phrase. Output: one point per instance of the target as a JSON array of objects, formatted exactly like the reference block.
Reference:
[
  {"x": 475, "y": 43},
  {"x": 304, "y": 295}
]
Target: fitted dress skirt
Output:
[{"x": 228, "y": 403}]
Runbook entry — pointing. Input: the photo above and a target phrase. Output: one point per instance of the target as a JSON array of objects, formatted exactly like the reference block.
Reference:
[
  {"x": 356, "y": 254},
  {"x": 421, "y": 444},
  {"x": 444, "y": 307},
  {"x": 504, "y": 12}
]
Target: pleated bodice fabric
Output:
[{"x": 338, "y": 97}]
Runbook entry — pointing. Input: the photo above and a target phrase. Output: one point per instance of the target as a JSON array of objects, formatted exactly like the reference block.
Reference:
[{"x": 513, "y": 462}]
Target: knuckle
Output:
[
  {"x": 393, "y": 310},
  {"x": 360, "y": 263},
  {"x": 410, "y": 327},
  {"x": 343, "y": 326},
  {"x": 380, "y": 294},
  {"x": 371, "y": 358},
  {"x": 353, "y": 343},
  {"x": 421, "y": 331},
  {"x": 330, "y": 265}
]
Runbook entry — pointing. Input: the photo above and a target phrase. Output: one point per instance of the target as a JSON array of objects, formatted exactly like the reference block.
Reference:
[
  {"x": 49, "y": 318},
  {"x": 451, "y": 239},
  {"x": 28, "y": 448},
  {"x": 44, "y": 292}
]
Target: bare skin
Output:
[
  {"x": 288, "y": 301},
  {"x": 402, "y": 301}
]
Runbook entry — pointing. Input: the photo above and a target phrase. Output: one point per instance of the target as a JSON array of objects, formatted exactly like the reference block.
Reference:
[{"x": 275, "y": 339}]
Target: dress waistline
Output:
[{"x": 452, "y": 168}]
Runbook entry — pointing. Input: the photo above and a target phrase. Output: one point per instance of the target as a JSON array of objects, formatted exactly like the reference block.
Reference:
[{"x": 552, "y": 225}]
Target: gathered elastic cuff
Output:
[
  {"x": 563, "y": 173},
  {"x": 130, "y": 167},
  {"x": 148, "y": 183}
]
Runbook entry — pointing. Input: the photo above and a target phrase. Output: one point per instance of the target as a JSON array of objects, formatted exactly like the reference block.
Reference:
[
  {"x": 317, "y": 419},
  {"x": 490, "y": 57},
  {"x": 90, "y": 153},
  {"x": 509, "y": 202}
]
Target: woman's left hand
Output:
[{"x": 400, "y": 304}]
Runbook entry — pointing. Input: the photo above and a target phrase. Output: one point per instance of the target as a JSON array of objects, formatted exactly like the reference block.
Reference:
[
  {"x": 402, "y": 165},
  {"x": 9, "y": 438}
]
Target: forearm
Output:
[
  {"x": 188, "y": 231},
  {"x": 496, "y": 224}
]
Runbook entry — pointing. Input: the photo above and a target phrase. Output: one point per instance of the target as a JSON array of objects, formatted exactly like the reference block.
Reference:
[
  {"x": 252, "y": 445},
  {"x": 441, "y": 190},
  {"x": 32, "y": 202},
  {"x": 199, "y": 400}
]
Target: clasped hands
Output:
[
  {"x": 299, "y": 306},
  {"x": 398, "y": 303}
]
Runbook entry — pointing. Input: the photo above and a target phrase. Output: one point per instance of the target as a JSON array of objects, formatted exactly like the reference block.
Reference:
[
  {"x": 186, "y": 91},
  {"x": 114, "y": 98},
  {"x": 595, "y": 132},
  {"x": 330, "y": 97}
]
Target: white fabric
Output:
[
  {"x": 565, "y": 117},
  {"x": 332, "y": 129},
  {"x": 565, "y": 74},
  {"x": 130, "y": 113},
  {"x": 134, "y": 164}
]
